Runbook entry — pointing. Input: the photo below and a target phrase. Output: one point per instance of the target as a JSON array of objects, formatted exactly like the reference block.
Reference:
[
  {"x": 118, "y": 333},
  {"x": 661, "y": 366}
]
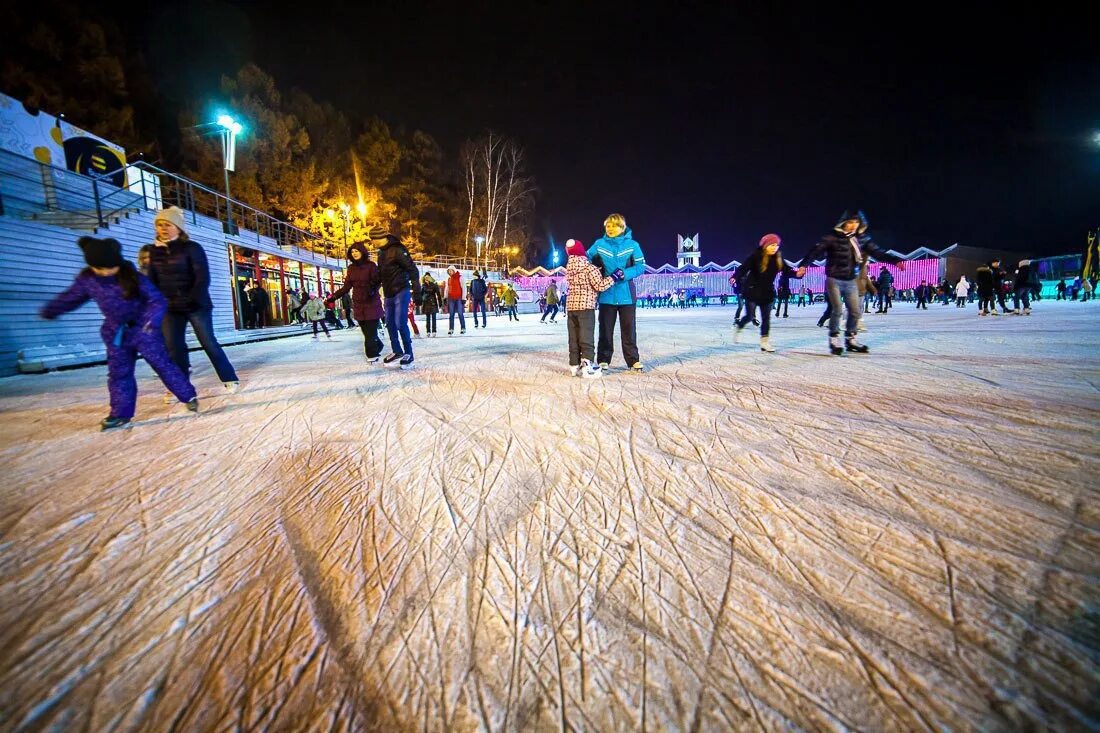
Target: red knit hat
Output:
[
  {"x": 575, "y": 247},
  {"x": 769, "y": 239}
]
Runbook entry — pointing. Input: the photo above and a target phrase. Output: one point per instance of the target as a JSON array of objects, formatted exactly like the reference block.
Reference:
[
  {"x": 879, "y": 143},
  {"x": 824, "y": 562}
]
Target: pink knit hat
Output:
[
  {"x": 769, "y": 239},
  {"x": 575, "y": 247}
]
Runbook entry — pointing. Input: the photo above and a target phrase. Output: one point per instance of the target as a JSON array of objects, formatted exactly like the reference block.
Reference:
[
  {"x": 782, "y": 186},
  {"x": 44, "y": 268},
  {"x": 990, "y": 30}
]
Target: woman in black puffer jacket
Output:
[
  {"x": 432, "y": 302},
  {"x": 757, "y": 278}
]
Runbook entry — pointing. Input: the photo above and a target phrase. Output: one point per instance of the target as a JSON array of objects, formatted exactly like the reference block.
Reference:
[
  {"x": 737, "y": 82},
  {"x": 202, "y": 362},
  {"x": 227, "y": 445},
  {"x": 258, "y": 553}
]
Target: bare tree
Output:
[{"x": 497, "y": 188}]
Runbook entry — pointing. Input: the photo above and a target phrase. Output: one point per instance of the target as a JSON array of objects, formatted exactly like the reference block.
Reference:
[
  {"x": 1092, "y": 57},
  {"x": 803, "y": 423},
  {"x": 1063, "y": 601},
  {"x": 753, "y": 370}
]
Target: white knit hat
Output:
[{"x": 173, "y": 215}]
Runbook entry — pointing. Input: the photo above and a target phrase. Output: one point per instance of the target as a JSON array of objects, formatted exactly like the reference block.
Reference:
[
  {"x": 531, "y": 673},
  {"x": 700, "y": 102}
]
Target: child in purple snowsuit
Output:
[{"x": 132, "y": 310}]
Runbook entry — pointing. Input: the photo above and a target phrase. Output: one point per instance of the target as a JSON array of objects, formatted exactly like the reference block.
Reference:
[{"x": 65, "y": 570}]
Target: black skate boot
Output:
[{"x": 856, "y": 347}]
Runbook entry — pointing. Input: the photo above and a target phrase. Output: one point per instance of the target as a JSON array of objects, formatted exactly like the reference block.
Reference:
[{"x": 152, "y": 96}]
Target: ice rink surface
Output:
[{"x": 907, "y": 540}]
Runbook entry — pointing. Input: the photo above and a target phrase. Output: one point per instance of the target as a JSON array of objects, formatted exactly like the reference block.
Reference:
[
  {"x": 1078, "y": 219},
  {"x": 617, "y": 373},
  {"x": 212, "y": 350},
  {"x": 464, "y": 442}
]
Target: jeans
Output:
[
  {"x": 174, "y": 328},
  {"x": 323, "y": 325},
  {"x": 372, "y": 345},
  {"x": 454, "y": 305},
  {"x": 1023, "y": 294},
  {"x": 843, "y": 293},
  {"x": 397, "y": 322},
  {"x": 429, "y": 322},
  {"x": 551, "y": 310},
  {"x": 765, "y": 317},
  {"x": 479, "y": 302},
  {"x": 512, "y": 313}
]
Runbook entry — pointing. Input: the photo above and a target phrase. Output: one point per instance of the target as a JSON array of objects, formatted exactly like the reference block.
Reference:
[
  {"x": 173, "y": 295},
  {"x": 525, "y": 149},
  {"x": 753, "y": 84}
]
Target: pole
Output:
[{"x": 225, "y": 166}]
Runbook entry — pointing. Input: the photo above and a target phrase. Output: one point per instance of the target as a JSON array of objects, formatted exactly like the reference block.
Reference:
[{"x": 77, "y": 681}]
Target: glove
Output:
[{"x": 618, "y": 276}]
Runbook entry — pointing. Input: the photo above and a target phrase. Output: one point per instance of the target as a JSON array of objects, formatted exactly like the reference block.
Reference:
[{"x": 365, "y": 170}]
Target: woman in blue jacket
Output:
[{"x": 621, "y": 259}]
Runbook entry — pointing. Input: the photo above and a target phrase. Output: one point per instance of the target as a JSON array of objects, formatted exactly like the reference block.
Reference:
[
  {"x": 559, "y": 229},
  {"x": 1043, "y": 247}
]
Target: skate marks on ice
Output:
[{"x": 707, "y": 546}]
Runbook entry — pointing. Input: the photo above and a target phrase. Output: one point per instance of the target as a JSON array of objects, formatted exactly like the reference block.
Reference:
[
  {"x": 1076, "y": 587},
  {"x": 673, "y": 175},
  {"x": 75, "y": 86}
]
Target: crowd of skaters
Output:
[{"x": 147, "y": 309}]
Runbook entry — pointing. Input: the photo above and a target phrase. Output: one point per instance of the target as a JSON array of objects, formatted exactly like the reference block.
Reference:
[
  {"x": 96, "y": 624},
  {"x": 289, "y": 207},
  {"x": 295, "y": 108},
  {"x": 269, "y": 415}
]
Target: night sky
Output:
[{"x": 946, "y": 126}]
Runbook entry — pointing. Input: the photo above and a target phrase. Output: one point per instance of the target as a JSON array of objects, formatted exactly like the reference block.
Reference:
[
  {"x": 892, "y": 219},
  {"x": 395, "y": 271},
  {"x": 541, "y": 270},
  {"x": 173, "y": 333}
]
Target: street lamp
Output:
[
  {"x": 479, "y": 239},
  {"x": 230, "y": 129}
]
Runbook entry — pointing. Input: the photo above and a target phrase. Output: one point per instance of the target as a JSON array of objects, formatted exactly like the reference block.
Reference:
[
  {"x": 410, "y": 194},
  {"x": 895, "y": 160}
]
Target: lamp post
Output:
[
  {"x": 230, "y": 129},
  {"x": 479, "y": 239}
]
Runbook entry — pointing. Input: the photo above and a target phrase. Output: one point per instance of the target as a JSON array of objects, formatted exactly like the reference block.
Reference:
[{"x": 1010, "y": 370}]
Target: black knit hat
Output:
[
  {"x": 101, "y": 252},
  {"x": 381, "y": 240}
]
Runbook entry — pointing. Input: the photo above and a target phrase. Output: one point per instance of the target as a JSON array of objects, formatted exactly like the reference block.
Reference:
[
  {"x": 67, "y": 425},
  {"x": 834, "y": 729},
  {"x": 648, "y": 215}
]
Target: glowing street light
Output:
[{"x": 230, "y": 129}]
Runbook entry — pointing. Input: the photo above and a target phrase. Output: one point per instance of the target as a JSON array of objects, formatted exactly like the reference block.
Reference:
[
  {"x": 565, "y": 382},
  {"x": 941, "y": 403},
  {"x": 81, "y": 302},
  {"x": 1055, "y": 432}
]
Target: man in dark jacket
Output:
[
  {"x": 1022, "y": 288},
  {"x": 361, "y": 282},
  {"x": 844, "y": 250},
  {"x": 783, "y": 295},
  {"x": 178, "y": 267},
  {"x": 883, "y": 284},
  {"x": 924, "y": 294},
  {"x": 400, "y": 283},
  {"x": 999, "y": 276},
  {"x": 478, "y": 290}
]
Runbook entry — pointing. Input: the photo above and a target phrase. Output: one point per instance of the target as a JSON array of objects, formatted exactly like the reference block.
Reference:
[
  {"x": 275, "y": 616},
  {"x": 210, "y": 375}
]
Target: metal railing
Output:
[
  {"x": 34, "y": 190},
  {"x": 159, "y": 188}
]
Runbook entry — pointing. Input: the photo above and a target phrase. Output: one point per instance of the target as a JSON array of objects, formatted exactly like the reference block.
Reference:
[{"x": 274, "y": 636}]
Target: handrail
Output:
[{"x": 284, "y": 233}]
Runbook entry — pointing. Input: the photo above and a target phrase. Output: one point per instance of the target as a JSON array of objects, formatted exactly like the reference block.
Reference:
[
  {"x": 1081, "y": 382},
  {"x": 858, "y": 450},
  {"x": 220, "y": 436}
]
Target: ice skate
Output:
[
  {"x": 193, "y": 405},
  {"x": 373, "y": 359},
  {"x": 391, "y": 358},
  {"x": 1027, "y": 311},
  {"x": 766, "y": 345},
  {"x": 406, "y": 361},
  {"x": 110, "y": 423},
  {"x": 834, "y": 346},
  {"x": 737, "y": 333},
  {"x": 637, "y": 367},
  {"x": 169, "y": 398},
  {"x": 576, "y": 370},
  {"x": 231, "y": 387},
  {"x": 588, "y": 371},
  {"x": 855, "y": 347}
]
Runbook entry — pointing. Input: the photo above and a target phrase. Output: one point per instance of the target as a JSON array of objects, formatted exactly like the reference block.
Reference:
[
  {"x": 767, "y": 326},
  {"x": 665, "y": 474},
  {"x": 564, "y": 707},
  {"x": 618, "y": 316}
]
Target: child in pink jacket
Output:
[{"x": 585, "y": 281}]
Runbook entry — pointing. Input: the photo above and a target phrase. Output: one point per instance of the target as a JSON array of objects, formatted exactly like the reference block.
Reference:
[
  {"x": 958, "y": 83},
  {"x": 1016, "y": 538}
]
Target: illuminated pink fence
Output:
[{"x": 717, "y": 283}]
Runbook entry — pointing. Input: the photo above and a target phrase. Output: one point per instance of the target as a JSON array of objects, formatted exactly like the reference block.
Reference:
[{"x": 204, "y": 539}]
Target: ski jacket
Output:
[
  {"x": 1023, "y": 274},
  {"x": 840, "y": 254},
  {"x": 397, "y": 270},
  {"x": 146, "y": 311},
  {"x": 552, "y": 295},
  {"x": 478, "y": 288},
  {"x": 759, "y": 286},
  {"x": 433, "y": 299},
  {"x": 984, "y": 280},
  {"x": 314, "y": 310},
  {"x": 454, "y": 286},
  {"x": 586, "y": 282},
  {"x": 180, "y": 271},
  {"x": 618, "y": 253},
  {"x": 962, "y": 288},
  {"x": 510, "y": 297}
]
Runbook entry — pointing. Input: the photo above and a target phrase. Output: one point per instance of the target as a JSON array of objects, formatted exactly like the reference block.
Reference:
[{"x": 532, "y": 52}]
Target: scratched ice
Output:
[{"x": 908, "y": 540}]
